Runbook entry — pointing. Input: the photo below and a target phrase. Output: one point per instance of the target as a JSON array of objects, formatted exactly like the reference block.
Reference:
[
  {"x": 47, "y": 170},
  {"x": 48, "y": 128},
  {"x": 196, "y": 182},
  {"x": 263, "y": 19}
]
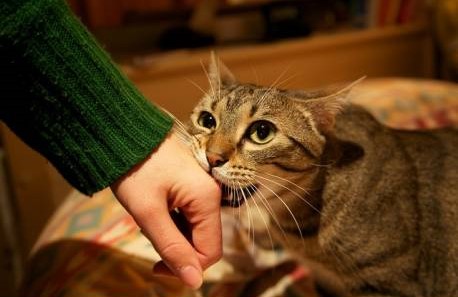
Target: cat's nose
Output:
[{"x": 215, "y": 160}]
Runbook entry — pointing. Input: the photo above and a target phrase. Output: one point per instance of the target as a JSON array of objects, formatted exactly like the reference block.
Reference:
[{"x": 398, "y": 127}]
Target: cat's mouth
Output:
[{"x": 235, "y": 197}]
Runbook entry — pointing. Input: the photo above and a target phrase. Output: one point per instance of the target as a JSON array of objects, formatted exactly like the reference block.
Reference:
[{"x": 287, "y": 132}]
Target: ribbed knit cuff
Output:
[{"x": 77, "y": 108}]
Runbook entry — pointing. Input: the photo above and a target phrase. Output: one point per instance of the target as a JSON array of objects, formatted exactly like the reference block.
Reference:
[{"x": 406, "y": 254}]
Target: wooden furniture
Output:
[
  {"x": 169, "y": 79},
  {"x": 166, "y": 79}
]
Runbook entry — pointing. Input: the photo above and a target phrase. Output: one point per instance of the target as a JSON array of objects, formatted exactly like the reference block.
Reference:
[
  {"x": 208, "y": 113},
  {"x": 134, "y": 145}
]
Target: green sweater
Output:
[{"x": 62, "y": 95}]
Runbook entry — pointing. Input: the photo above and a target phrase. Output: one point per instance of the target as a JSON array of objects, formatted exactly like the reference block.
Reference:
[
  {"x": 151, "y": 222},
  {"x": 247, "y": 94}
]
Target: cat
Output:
[{"x": 373, "y": 211}]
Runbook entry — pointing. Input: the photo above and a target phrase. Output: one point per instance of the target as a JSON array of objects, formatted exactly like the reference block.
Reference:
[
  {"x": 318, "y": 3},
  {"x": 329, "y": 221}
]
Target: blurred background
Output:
[{"x": 162, "y": 44}]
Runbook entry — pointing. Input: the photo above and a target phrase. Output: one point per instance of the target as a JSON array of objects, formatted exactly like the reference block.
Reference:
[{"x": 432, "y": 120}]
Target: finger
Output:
[
  {"x": 182, "y": 224},
  {"x": 206, "y": 235},
  {"x": 162, "y": 269},
  {"x": 177, "y": 253}
]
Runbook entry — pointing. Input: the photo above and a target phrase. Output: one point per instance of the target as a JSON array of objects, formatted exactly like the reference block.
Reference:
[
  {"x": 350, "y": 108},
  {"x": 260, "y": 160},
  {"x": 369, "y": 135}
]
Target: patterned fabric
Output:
[
  {"x": 410, "y": 104},
  {"x": 77, "y": 268},
  {"x": 92, "y": 247}
]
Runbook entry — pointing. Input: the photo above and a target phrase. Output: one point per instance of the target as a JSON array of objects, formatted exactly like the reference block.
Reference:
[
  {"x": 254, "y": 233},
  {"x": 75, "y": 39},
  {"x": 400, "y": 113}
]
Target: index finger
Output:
[
  {"x": 175, "y": 250},
  {"x": 206, "y": 232}
]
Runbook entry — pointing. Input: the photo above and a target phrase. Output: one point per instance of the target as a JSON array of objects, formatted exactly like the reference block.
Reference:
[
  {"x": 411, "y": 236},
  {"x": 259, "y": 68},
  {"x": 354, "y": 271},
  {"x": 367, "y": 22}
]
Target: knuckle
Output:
[
  {"x": 218, "y": 255},
  {"x": 170, "y": 251},
  {"x": 213, "y": 258},
  {"x": 209, "y": 187},
  {"x": 215, "y": 190},
  {"x": 213, "y": 195}
]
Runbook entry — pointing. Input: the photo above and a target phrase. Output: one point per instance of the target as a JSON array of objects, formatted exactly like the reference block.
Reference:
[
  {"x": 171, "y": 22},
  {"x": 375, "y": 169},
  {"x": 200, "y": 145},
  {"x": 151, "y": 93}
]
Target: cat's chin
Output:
[{"x": 236, "y": 197}]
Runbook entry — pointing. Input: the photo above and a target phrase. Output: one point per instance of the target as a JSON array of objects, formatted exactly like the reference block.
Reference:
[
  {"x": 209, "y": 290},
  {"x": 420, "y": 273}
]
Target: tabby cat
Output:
[{"x": 371, "y": 210}]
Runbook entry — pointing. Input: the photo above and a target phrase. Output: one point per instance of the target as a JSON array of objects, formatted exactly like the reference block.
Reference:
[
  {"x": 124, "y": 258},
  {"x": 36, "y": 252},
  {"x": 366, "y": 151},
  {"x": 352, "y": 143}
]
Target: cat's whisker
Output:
[
  {"x": 292, "y": 192},
  {"x": 204, "y": 93},
  {"x": 175, "y": 119},
  {"x": 179, "y": 129},
  {"x": 285, "y": 180},
  {"x": 236, "y": 199},
  {"x": 306, "y": 192},
  {"x": 271, "y": 212},
  {"x": 185, "y": 141},
  {"x": 353, "y": 269},
  {"x": 250, "y": 221},
  {"x": 183, "y": 137},
  {"x": 262, "y": 217},
  {"x": 288, "y": 79},
  {"x": 231, "y": 194},
  {"x": 235, "y": 196},
  {"x": 250, "y": 215},
  {"x": 208, "y": 77},
  {"x": 265, "y": 95},
  {"x": 322, "y": 165},
  {"x": 219, "y": 81},
  {"x": 272, "y": 86},
  {"x": 288, "y": 209},
  {"x": 179, "y": 126}
]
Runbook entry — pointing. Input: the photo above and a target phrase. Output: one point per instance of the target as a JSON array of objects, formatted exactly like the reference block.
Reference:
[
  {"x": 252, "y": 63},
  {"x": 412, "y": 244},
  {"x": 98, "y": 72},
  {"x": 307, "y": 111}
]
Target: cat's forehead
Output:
[{"x": 237, "y": 97}]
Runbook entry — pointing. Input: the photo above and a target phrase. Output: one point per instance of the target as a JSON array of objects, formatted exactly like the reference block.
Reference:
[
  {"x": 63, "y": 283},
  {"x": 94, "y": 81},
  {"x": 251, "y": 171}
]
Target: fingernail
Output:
[{"x": 191, "y": 276}]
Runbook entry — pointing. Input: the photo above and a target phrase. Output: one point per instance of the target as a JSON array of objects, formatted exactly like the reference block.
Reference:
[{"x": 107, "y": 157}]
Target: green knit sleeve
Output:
[{"x": 62, "y": 95}]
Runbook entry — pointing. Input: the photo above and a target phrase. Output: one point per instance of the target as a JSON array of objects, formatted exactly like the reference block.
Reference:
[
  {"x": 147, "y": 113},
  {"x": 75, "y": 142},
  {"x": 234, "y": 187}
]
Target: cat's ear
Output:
[
  {"x": 218, "y": 73},
  {"x": 325, "y": 109}
]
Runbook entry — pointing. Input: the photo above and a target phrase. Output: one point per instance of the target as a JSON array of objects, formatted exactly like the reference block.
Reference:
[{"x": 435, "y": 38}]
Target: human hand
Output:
[{"x": 171, "y": 179}]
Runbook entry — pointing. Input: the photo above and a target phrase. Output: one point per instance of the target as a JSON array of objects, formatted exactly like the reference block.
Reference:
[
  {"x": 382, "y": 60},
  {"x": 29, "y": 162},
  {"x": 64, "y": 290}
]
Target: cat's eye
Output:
[
  {"x": 207, "y": 120},
  {"x": 261, "y": 132}
]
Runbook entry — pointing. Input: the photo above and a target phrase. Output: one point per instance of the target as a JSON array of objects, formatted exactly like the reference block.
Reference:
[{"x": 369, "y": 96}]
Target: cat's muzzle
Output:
[{"x": 235, "y": 197}]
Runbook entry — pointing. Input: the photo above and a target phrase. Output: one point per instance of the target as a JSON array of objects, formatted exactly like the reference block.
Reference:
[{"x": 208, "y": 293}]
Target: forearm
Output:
[{"x": 63, "y": 96}]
